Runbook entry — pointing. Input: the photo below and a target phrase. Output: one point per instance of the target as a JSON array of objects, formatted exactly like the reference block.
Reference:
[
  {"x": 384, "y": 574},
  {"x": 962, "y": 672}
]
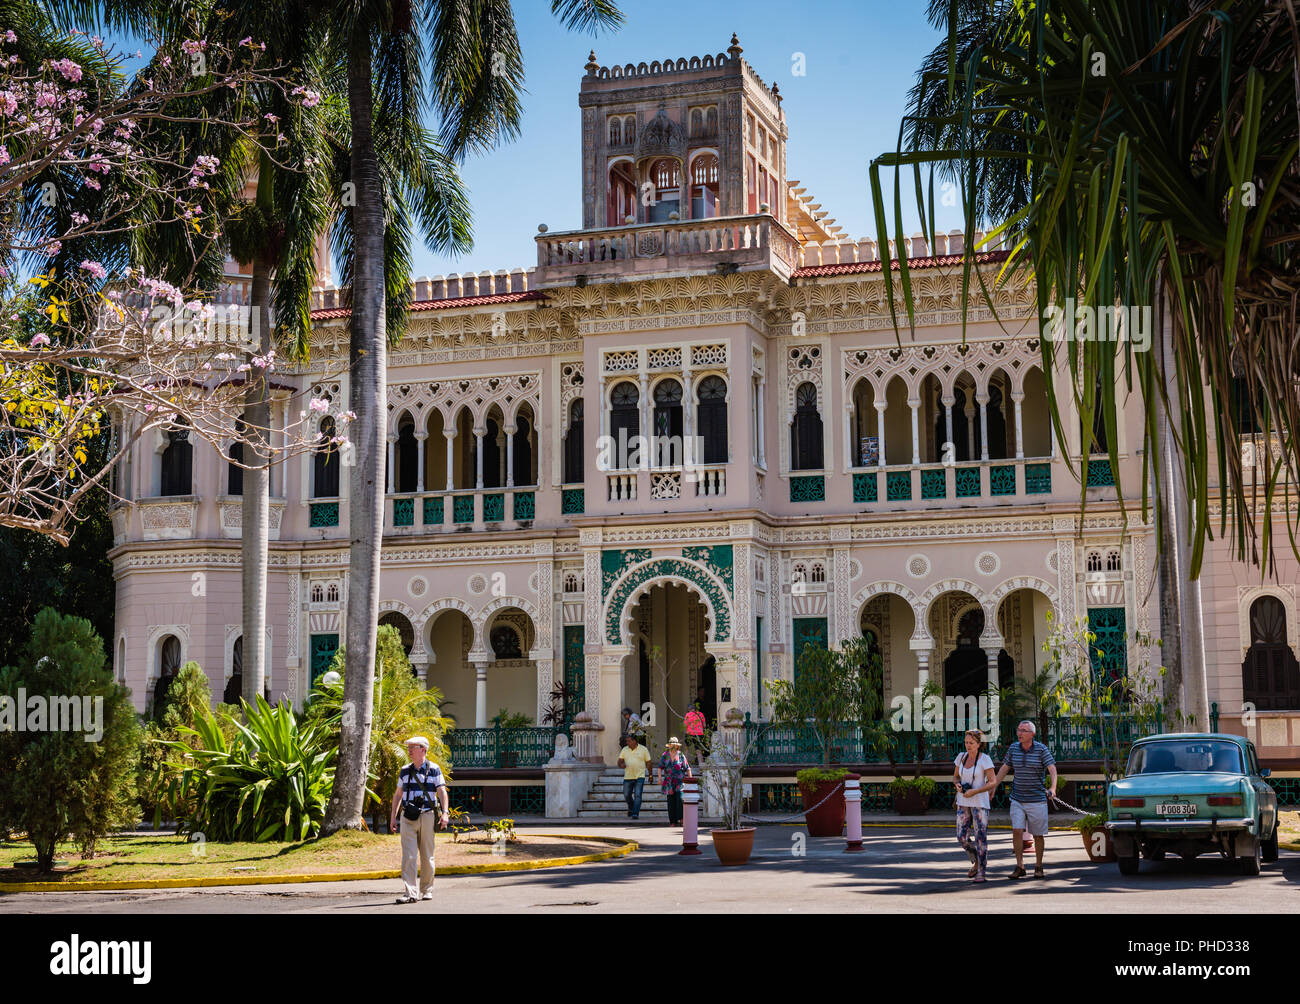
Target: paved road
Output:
[{"x": 900, "y": 870}]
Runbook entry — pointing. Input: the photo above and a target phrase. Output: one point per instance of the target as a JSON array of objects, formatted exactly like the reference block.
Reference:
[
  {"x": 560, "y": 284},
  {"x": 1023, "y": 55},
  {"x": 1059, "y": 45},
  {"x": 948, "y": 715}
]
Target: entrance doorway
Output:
[{"x": 669, "y": 662}]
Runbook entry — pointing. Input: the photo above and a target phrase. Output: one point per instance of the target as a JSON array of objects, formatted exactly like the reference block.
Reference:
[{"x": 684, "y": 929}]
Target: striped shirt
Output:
[
  {"x": 1029, "y": 766},
  {"x": 413, "y": 780}
]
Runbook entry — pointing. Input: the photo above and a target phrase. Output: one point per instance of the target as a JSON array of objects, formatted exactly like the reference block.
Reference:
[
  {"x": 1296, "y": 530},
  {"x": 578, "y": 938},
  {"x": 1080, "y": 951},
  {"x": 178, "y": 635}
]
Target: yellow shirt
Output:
[{"x": 634, "y": 761}]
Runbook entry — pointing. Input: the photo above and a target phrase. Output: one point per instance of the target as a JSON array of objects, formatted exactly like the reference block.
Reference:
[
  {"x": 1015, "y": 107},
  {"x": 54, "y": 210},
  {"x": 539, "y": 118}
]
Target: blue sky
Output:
[{"x": 861, "y": 58}]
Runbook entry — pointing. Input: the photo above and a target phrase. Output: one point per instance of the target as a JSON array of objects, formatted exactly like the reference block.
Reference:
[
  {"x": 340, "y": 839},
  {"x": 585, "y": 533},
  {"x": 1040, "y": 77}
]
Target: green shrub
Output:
[
  {"x": 512, "y": 719},
  {"x": 187, "y": 698},
  {"x": 272, "y": 781},
  {"x": 810, "y": 777},
  {"x": 1092, "y": 821},
  {"x": 900, "y": 785},
  {"x": 56, "y": 784}
]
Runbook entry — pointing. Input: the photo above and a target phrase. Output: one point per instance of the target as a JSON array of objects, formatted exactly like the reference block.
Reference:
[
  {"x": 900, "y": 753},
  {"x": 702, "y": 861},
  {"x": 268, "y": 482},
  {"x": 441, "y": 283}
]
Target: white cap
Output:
[{"x": 417, "y": 741}]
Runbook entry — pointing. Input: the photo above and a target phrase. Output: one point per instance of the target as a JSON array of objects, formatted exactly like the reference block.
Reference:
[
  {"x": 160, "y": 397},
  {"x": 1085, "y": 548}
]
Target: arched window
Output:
[
  {"x": 493, "y": 455},
  {"x": 406, "y": 467},
  {"x": 405, "y": 630},
  {"x": 1113, "y": 561},
  {"x": 806, "y": 431},
  {"x": 317, "y": 593},
  {"x": 622, "y": 194},
  {"x": 666, "y": 450},
  {"x": 711, "y": 419},
  {"x": 1094, "y": 561},
  {"x": 1270, "y": 677},
  {"x": 697, "y": 122},
  {"x": 325, "y": 463},
  {"x": 234, "y": 472},
  {"x": 629, "y": 129},
  {"x": 235, "y": 685},
  {"x": 523, "y": 446},
  {"x": 505, "y": 642},
  {"x": 665, "y": 175},
  {"x": 615, "y": 131},
  {"x": 177, "y": 461},
  {"x": 332, "y": 592},
  {"x": 624, "y": 419},
  {"x": 169, "y": 662},
  {"x": 711, "y": 121},
  {"x": 573, "y": 458},
  {"x": 704, "y": 186}
]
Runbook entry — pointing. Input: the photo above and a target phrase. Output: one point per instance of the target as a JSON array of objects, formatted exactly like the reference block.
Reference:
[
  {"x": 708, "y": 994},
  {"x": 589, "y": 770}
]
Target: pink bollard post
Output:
[
  {"x": 852, "y": 814},
  {"x": 690, "y": 816}
]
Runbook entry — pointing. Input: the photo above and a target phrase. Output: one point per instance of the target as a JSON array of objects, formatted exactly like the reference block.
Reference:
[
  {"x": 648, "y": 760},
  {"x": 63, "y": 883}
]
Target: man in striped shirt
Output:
[
  {"x": 420, "y": 786},
  {"x": 1029, "y": 760}
]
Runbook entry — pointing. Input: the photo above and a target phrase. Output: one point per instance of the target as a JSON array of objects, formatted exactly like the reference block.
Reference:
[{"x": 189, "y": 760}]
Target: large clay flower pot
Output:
[
  {"x": 911, "y": 801},
  {"x": 1098, "y": 844},
  {"x": 733, "y": 846},
  {"x": 827, "y": 819}
]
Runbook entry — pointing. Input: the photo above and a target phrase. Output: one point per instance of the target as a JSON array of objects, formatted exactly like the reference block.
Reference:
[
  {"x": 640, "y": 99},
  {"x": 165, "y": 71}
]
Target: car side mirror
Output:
[{"x": 1265, "y": 771}]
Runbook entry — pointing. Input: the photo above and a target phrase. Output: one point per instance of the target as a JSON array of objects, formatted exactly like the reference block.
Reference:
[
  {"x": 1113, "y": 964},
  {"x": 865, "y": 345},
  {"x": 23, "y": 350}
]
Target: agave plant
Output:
[{"x": 271, "y": 781}]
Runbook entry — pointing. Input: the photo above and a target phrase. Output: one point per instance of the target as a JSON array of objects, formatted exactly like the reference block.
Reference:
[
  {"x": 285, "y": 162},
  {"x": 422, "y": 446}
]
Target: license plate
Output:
[{"x": 1176, "y": 809}]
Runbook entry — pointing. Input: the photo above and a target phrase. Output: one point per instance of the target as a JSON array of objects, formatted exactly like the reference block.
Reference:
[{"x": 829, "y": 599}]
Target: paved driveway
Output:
[{"x": 900, "y": 870}]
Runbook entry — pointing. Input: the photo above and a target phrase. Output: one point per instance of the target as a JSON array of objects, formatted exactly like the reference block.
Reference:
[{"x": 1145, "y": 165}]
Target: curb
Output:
[{"x": 624, "y": 848}]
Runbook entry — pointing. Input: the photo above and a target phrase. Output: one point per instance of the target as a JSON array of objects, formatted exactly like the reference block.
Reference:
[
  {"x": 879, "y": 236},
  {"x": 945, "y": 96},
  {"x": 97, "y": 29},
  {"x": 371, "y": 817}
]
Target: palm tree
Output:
[
  {"x": 1143, "y": 155},
  {"x": 471, "y": 52}
]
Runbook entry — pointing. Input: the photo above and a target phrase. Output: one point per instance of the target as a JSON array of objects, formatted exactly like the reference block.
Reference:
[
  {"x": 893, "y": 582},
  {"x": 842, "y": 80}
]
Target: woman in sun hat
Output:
[{"x": 673, "y": 769}]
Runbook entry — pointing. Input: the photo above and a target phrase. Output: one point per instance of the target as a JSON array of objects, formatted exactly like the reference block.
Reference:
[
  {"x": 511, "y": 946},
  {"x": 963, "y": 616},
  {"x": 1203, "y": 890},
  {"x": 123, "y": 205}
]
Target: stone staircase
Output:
[{"x": 605, "y": 800}]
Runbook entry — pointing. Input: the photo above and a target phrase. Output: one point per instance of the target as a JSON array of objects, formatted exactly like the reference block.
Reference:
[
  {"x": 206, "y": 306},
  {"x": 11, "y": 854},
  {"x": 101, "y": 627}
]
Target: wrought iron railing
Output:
[
  {"x": 530, "y": 746},
  {"x": 880, "y": 743}
]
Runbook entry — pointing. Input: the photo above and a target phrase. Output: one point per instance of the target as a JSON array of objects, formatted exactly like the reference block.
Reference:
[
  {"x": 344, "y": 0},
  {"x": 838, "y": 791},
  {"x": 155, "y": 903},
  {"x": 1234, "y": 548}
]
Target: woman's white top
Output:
[{"x": 975, "y": 777}]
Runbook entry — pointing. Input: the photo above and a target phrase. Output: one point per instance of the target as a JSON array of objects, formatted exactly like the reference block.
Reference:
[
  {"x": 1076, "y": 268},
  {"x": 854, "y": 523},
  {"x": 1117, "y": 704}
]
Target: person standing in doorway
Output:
[
  {"x": 417, "y": 784},
  {"x": 635, "y": 761},
  {"x": 674, "y": 768},
  {"x": 695, "y": 733},
  {"x": 1028, "y": 759}
]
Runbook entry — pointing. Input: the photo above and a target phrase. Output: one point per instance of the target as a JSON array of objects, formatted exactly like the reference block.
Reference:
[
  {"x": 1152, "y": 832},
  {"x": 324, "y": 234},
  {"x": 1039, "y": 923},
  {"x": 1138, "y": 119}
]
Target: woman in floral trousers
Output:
[
  {"x": 673, "y": 769},
  {"x": 973, "y": 777}
]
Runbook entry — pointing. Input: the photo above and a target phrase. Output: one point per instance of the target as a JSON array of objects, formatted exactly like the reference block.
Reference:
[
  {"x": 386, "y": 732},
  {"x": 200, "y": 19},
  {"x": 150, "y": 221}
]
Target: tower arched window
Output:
[
  {"x": 624, "y": 419},
  {"x": 1114, "y": 563},
  {"x": 665, "y": 176},
  {"x": 177, "y": 463},
  {"x": 1270, "y": 677},
  {"x": 622, "y": 194},
  {"x": 629, "y": 129},
  {"x": 704, "y": 186},
  {"x": 169, "y": 664},
  {"x": 1094, "y": 561},
  {"x": 235, "y": 685},
  {"x": 711, "y": 121},
  {"x": 615, "y": 132},
  {"x": 573, "y": 457},
  {"x": 697, "y": 122},
  {"x": 666, "y": 450},
  {"x": 712, "y": 419},
  {"x": 505, "y": 642},
  {"x": 806, "y": 430},
  {"x": 325, "y": 463}
]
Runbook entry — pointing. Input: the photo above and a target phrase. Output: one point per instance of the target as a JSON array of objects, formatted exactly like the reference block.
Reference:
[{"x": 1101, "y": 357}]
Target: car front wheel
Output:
[
  {"x": 1269, "y": 852},
  {"x": 1250, "y": 862},
  {"x": 1128, "y": 865}
]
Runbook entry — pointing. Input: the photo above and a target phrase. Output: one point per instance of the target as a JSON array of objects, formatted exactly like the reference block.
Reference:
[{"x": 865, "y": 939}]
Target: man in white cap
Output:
[{"x": 416, "y": 784}]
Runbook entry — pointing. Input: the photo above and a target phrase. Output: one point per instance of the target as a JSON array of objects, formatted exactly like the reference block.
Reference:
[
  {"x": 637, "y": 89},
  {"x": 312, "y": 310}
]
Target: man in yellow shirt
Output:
[{"x": 635, "y": 761}]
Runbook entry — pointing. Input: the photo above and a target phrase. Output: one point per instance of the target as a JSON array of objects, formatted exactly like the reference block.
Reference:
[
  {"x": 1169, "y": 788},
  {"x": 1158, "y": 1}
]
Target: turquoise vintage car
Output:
[{"x": 1191, "y": 793}]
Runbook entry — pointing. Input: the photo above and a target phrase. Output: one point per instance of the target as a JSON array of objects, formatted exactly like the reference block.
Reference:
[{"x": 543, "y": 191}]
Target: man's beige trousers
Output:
[{"x": 417, "y": 853}]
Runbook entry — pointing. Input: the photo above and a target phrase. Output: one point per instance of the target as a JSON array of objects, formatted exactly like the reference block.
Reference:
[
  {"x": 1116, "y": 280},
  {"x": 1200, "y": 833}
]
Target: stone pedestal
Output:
[
  {"x": 586, "y": 738},
  {"x": 568, "y": 781}
]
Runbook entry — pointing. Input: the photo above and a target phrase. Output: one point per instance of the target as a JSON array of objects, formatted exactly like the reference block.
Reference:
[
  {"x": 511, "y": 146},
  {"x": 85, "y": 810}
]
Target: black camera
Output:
[
  {"x": 413, "y": 807},
  {"x": 966, "y": 787}
]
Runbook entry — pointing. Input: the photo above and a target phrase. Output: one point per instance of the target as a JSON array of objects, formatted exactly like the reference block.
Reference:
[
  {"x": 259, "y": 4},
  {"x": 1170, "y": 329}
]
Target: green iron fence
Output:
[{"x": 497, "y": 747}]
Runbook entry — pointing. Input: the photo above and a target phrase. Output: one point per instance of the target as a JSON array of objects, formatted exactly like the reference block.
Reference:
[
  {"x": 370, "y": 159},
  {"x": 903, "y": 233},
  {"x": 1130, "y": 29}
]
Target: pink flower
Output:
[
  {"x": 68, "y": 69},
  {"x": 39, "y": 340},
  {"x": 96, "y": 270},
  {"x": 10, "y": 36},
  {"x": 320, "y": 404}
]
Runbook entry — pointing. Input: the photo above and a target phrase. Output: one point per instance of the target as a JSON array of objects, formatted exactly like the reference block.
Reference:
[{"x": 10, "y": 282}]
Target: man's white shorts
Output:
[{"x": 1031, "y": 816}]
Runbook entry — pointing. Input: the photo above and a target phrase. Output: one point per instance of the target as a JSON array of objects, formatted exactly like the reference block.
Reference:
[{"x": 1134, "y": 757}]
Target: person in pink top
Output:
[{"x": 695, "y": 732}]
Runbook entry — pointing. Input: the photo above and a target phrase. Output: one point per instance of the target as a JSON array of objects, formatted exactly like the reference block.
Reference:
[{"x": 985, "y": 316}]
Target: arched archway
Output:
[
  {"x": 511, "y": 685},
  {"x": 886, "y": 611},
  {"x": 449, "y": 638}
]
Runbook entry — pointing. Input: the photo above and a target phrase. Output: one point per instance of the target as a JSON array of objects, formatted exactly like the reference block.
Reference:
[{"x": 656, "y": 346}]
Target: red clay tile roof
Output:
[
  {"x": 858, "y": 267},
  {"x": 330, "y": 313}
]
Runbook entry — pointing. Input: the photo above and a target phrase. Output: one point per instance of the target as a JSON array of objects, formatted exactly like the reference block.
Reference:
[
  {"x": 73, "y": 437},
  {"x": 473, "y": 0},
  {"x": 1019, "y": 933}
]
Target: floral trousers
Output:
[{"x": 970, "y": 818}]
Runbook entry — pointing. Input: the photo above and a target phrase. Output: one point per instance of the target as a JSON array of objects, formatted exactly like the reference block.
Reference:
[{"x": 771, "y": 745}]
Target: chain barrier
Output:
[
  {"x": 797, "y": 815},
  {"x": 1064, "y": 804}
]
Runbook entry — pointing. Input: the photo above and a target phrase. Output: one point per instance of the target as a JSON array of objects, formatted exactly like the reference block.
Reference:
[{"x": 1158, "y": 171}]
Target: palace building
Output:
[{"x": 685, "y": 444}]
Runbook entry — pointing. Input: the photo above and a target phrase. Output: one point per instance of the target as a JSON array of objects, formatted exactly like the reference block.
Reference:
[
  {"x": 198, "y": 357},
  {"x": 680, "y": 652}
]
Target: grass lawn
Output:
[{"x": 166, "y": 856}]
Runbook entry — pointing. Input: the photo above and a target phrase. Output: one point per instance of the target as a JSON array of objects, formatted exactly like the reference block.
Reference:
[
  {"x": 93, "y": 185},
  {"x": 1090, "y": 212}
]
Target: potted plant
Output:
[
  {"x": 1096, "y": 838},
  {"x": 725, "y": 780},
  {"x": 911, "y": 795},
  {"x": 504, "y": 721},
  {"x": 832, "y": 689}
]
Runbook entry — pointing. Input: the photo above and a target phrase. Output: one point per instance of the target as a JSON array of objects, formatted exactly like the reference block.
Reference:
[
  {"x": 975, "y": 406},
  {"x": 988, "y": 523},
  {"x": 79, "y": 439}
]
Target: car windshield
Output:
[{"x": 1170, "y": 756}]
